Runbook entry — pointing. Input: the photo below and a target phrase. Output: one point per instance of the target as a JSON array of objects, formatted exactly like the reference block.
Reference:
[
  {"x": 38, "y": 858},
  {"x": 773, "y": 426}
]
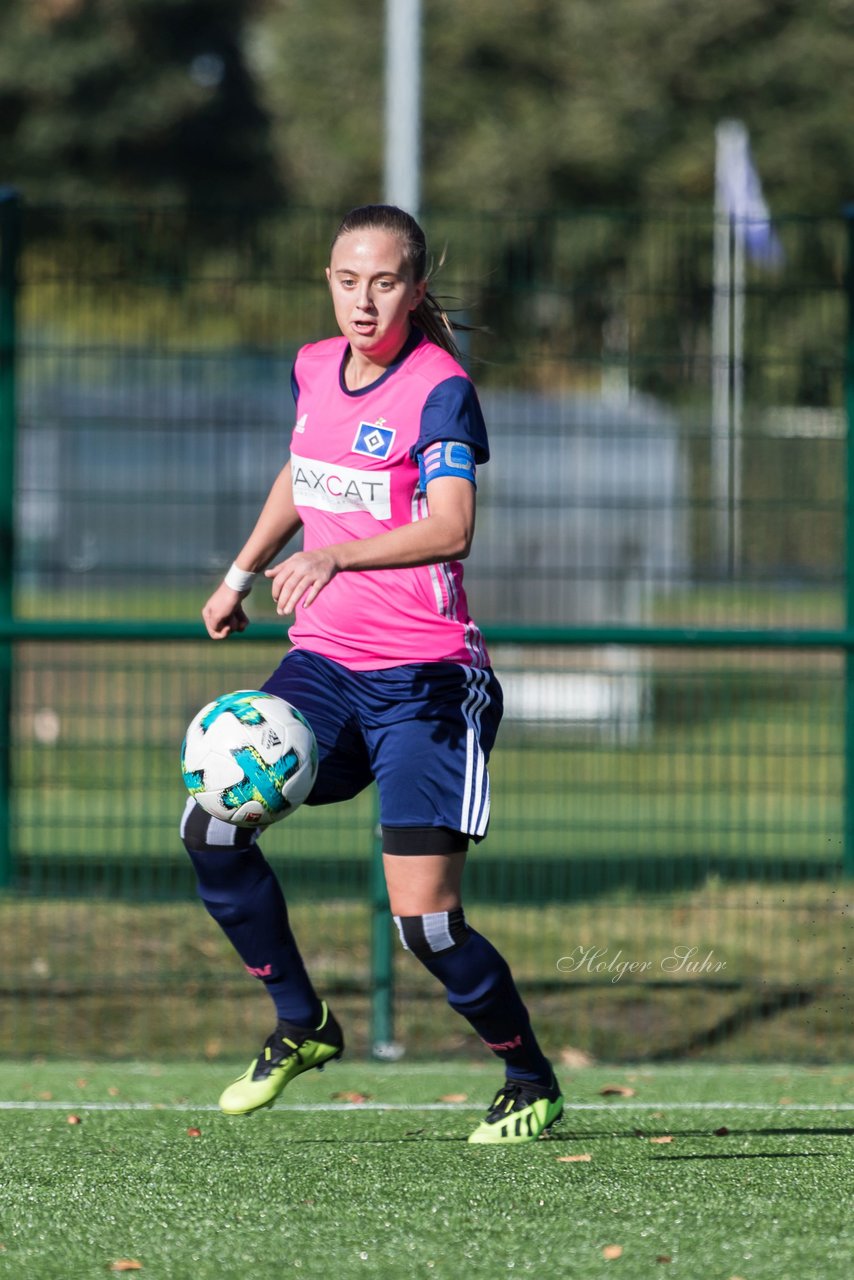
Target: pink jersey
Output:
[{"x": 354, "y": 464}]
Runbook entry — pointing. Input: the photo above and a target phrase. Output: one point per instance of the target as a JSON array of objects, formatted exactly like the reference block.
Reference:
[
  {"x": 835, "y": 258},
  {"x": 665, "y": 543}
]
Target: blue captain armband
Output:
[{"x": 446, "y": 458}]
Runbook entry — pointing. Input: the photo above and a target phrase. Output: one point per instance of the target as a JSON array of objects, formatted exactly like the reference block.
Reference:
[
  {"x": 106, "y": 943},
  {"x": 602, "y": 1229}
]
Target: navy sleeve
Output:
[
  {"x": 294, "y": 383},
  {"x": 452, "y": 412}
]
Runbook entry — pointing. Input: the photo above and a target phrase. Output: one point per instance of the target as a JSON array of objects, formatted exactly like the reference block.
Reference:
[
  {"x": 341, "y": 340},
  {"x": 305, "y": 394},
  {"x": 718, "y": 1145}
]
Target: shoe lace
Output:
[
  {"x": 278, "y": 1046},
  {"x": 514, "y": 1095}
]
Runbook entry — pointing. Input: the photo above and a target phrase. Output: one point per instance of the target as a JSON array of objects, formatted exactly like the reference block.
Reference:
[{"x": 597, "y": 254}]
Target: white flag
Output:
[{"x": 739, "y": 195}]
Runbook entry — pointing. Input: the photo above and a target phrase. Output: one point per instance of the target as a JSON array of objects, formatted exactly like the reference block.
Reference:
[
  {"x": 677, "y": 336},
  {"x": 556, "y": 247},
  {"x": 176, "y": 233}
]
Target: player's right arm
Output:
[{"x": 275, "y": 526}]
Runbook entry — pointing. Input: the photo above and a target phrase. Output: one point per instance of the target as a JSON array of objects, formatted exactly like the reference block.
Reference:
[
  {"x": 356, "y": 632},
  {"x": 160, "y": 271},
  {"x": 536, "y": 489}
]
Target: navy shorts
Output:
[{"x": 423, "y": 731}]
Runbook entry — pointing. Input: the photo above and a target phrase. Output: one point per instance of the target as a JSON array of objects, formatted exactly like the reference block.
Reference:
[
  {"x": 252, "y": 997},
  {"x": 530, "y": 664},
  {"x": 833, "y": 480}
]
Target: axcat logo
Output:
[{"x": 340, "y": 489}]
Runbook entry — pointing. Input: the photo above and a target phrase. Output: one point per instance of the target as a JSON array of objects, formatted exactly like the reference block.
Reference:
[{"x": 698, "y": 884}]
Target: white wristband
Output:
[{"x": 239, "y": 579}]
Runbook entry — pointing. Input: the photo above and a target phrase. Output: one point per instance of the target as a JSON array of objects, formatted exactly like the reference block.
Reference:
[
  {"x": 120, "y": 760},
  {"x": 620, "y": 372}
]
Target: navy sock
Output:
[
  {"x": 480, "y": 986},
  {"x": 241, "y": 892}
]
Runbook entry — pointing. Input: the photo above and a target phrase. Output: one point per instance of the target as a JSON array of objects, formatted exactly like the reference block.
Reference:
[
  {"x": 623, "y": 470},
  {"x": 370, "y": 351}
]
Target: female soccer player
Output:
[{"x": 385, "y": 664}]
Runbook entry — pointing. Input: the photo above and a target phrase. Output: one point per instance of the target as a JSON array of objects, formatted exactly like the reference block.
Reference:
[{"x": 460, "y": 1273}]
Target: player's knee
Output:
[
  {"x": 432, "y": 934},
  {"x": 201, "y": 832},
  {"x": 230, "y": 869}
]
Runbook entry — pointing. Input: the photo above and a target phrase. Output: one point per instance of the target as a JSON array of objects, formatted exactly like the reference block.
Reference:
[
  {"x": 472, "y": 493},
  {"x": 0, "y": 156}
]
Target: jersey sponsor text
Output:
[{"x": 329, "y": 487}]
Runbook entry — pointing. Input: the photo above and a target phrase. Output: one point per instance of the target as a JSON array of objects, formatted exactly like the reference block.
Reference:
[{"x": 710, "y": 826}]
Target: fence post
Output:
[
  {"x": 848, "y": 833},
  {"x": 10, "y": 212},
  {"x": 382, "y": 963}
]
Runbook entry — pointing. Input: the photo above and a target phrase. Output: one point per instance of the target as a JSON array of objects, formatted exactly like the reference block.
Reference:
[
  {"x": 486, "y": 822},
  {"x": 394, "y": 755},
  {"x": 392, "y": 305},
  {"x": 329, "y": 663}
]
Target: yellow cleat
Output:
[
  {"x": 520, "y": 1112},
  {"x": 288, "y": 1052}
]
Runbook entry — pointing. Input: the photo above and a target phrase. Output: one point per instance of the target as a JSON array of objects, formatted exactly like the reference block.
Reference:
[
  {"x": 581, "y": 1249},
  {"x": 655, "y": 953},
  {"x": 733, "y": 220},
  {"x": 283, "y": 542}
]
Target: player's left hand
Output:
[{"x": 301, "y": 578}]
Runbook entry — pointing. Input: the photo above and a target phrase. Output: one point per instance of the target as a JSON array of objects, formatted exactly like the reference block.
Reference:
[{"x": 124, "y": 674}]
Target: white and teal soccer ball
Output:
[{"x": 249, "y": 758}]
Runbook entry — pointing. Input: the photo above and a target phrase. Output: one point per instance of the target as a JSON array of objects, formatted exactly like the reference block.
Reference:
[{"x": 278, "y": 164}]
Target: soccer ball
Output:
[{"x": 249, "y": 758}]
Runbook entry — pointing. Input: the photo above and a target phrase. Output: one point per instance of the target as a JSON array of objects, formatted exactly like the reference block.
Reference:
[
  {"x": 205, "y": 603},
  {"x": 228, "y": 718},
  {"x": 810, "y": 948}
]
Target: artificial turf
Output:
[{"x": 755, "y": 1180}]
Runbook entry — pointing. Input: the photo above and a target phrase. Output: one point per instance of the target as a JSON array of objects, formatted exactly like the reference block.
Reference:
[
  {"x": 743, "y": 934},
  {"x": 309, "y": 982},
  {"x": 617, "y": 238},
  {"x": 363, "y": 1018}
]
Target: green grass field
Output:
[{"x": 754, "y": 1178}]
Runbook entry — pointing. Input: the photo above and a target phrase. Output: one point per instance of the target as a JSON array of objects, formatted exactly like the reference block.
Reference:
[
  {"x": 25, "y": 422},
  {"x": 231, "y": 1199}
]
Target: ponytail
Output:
[
  {"x": 436, "y": 325},
  {"x": 429, "y": 316}
]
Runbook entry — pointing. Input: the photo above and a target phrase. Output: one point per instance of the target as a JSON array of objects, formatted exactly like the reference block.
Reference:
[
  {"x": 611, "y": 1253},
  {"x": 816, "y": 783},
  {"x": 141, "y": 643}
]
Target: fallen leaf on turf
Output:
[
  {"x": 785, "y": 1102},
  {"x": 664, "y": 1257},
  {"x": 573, "y": 1159},
  {"x": 722, "y": 1132},
  {"x": 663, "y": 1138},
  {"x": 350, "y": 1095},
  {"x": 126, "y": 1264},
  {"x": 81, "y": 1083},
  {"x": 46, "y": 1095},
  {"x": 621, "y": 1090},
  {"x": 454, "y": 1097},
  {"x": 74, "y": 1120},
  {"x": 193, "y": 1132},
  {"x": 612, "y": 1251},
  {"x": 113, "y": 1091},
  {"x": 574, "y": 1058}
]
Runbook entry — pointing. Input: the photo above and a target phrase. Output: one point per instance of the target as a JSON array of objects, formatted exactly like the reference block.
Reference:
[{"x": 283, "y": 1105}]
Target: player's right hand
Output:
[{"x": 224, "y": 613}]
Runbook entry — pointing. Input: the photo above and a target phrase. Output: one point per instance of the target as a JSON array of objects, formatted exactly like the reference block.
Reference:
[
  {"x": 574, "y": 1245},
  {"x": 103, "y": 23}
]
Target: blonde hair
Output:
[{"x": 430, "y": 316}]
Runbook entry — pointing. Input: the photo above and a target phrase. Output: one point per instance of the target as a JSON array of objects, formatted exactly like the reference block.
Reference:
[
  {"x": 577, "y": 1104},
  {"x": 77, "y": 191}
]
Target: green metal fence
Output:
[{"x": 663, "y": 578}]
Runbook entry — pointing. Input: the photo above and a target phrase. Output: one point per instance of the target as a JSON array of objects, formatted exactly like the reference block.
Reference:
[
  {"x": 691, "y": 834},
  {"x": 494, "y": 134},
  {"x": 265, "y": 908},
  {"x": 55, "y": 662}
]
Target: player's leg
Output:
[
  {"x": 242, "y": 893},
  {"x": 448, "y": 726},
  {"x": 427, "y": 908},
  {"x": 476, "y": 977}
]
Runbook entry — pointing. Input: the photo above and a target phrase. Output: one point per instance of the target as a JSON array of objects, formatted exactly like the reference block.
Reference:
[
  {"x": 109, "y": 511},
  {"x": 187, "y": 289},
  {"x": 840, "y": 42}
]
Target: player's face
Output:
[{"x": 373, "y": 293}]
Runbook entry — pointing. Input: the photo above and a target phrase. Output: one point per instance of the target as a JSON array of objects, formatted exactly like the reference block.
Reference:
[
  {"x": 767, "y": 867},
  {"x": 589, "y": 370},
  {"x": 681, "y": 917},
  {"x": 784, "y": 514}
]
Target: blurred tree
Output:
[
  {"x": 131, "y": 99},
  {"x": 542, "y": 104},
  {"x": 538, "y": 104},
  {"x": 320, "y": 67},
  {"x": 531, "y": 108},
  {"x": 528, "y": 104}
]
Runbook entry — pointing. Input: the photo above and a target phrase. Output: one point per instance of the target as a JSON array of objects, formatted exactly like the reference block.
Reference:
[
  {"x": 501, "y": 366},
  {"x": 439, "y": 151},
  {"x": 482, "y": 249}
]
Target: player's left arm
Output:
[{"x": 445, "y": 534}]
